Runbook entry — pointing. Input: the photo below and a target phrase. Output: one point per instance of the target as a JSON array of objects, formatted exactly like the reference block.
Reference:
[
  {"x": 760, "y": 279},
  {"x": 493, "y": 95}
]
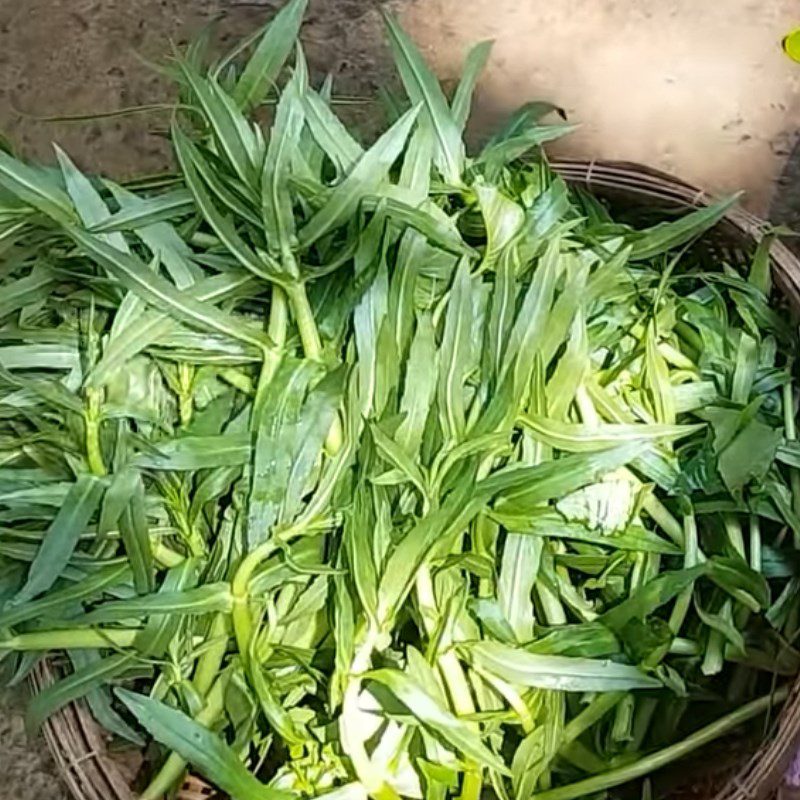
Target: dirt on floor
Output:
[
  {"x": 73, "y": 57},
  {"x": 700, "y": 89}
]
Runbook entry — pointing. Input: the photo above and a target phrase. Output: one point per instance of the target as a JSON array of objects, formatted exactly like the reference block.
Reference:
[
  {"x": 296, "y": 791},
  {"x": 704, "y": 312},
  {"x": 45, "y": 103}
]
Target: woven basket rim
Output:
[{"x": 77, "y": 743}]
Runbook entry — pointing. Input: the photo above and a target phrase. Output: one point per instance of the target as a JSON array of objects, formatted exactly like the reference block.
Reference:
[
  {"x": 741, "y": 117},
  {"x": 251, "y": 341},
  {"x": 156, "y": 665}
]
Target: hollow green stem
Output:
[
  {"x": 350, "y": 735},
  {"x": 593, "y": 713},
  {"x": 684, "y": 647},
  {"x": 166, "y": 556},
  {"x": 174, "y": 767},
  {"x": 790, "y": 429},
  {"x": 755, "y": 543},
  {"x": 304, "y": 319},
  {"x": 185, "y": 398},
  {"x": 661, "y": 515},
  {"x": 71, "y": 639},
  {"x": 312, "y": 347},
  {"x": 714, "y": 658},
  {"x": 242, "y": 620},
  {"x": 642, "y": 719},
  {"x": 453, "y": 675},
  {"x": 735, "y": 536},
  {"x": 690, "y": 559},
  {"x": 551, "y": 607},
  {"x": 210, "y": 662},
  {"x": 654, "y": 761},
  {"x": 94, "y": 453},
  {"x": 276, "y": 330}
]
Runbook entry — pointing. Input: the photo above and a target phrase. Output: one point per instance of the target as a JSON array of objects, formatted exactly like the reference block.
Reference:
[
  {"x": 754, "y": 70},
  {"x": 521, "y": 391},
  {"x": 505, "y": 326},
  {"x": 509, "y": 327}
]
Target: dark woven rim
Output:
[{"x": 79, "y": 746}]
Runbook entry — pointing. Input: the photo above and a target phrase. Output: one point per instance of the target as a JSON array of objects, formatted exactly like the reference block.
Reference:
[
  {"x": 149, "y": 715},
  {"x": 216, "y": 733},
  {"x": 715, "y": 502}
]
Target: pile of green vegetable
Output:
[{"x": 388, "y": 470}]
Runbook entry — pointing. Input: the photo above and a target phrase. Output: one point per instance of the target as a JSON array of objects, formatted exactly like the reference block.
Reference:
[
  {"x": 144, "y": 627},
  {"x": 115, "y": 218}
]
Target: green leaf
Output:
[
  {"x": 420, "y": 386},
  {"x": 503, "y": 152},
  {"x": 523, "y": 489},
  {"x": 518, "y": 570},
  {"x": 554, "y": 526},
  {"x": 668, "y": 235},
  {"x": 586, "y": 639},
  {"x": 276, "y": 201},
  {"x": 25, "y": 291},
  {"x": 262, "y": 70},
  {"x": 59, "y": 601},
  {"x": 202, "y": 748},
  {"x": 190, "y": 162},
  {"x": 279, "y": 438},
  {"x": 161, "y": 628},
  {"x": 134, "y": 275},
  {"x": 395, "y": 455},
  {"x": 654, "y": 594},
  {"x": 473, "y": 66},
  {"x": 144, "y": 213},
  {"x": 364, "y": 179},
  {"x": 100, "y": 704},
  {"x": 745, "y": 449},
  {"x": 423, "y": 89},
  {"x": 454, "y": 355},
  {"x": 153, "y": 326},
  {"x": 205, "y": 599},
  {"x": 36, "y": 188},
  {"x": 62, "y": 537},
  {"x": 136, "y": 538},
  {"x": 577, "y": 438},
  {"x": 89, "y": 204},
  {"x": 233, "y": 133},
  {"x": 76, "y": 685},
  {"x": 745, "y": 584},
  {"x": 329, "y": 133},
  {"x": 560, "y": 673},
  {"x": 189, "y": 453},
  {"x": 436, "y": 717}
]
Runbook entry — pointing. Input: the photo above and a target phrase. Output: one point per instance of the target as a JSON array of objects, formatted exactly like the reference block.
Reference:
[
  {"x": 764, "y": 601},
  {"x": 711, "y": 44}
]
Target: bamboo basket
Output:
[{"x": 79, "y": 746}]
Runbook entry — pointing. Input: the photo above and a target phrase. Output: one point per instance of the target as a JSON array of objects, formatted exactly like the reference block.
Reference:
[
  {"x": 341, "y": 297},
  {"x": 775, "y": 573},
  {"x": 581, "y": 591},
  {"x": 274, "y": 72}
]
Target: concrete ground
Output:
[{"x": 699, "y": 89}]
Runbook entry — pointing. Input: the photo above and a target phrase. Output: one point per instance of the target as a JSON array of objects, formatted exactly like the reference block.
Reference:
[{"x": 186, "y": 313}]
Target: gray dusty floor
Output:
[
  {"x": 24, "y": 764},
  {"x": 61, "y": 57}
]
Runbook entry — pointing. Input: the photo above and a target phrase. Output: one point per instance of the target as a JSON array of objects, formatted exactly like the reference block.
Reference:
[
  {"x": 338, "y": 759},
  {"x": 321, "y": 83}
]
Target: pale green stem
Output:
[
  {"x": 684, "y": 647},
  {"x": 172, "y": 771},
  {"x": 312, "y": 347},
  {"x": 71, "y": 639},
  {"x": 755, "y": 543},
  {"x": 714, "y": 658},
  {"x": 304, "y": 319},
  {"x": 790, "y": 431},
  {"x": 94, "y": 453},
  {"x": 690, "y": 559},
  {"x": 643, "y": 717},
  {"x": 511, "y": 696},
  {"x": 185, "y": 398},
  {"x": 659, "y": 759},
  {"x": 586, "y": 407},
  {"x": 593, "y": 713},
  {"x": 166, "y": 556},
  {"x": 352, "y": 740},
  {"x": 735, "y": 536},
  {"x": 276, "y": 330},
  {"x": 242, "y": 619},
  {"x": 663, "y": 518},
  {"x": 552, "y": 609},
  {"x": 453, "y": 675},
  {"x": 210, "y": 662}
]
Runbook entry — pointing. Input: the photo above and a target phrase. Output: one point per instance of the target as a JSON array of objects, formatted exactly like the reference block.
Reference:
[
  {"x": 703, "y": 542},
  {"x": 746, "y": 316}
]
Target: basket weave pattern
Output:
[{"x": 76, "y": 741}]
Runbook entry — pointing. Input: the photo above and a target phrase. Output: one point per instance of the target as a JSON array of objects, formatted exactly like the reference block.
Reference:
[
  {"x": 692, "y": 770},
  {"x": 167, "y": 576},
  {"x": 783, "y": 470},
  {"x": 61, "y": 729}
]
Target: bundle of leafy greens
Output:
[{"x": 388, "y": 471}]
